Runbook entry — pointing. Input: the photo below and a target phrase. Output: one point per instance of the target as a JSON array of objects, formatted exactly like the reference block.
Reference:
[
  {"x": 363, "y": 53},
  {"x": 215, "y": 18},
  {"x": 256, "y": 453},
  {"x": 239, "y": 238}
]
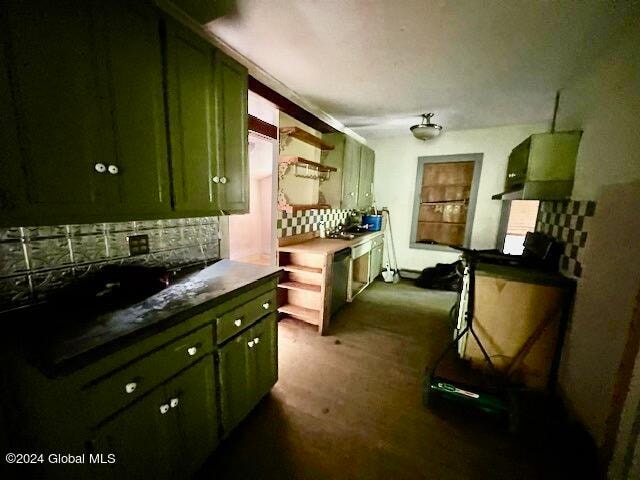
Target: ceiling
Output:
[{"x": 376, "y": 65}]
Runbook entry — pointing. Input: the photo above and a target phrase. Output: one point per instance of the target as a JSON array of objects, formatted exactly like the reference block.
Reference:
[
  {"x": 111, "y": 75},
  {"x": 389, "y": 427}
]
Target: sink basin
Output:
[{"x": 341, "y": 236}]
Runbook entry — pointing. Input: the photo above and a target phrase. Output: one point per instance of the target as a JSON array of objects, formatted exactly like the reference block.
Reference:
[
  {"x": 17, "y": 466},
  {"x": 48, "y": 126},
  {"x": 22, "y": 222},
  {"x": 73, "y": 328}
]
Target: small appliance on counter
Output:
[{"x": 374, "y": 221}]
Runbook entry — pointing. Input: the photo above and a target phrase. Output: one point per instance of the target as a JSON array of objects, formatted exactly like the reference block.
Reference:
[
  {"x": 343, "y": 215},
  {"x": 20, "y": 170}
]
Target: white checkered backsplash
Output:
[
  {"x": 309, "y": 221},
  {"x": 568, "y": 222}
]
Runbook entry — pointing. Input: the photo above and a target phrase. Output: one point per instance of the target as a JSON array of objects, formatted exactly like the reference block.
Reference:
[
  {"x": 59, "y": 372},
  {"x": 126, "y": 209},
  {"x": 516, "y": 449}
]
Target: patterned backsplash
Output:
[
  {"x": 309, "y": 220},
  {"x": 568, "y": 222},
  {"x": 34, "y": 261}
]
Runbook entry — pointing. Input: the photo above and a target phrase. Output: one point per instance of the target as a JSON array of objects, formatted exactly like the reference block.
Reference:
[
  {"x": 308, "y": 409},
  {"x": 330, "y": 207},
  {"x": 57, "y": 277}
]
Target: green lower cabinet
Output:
[
  {"x": 140, "y": 437},
  {"x": 235, "y": 381},
  {"x": 265, "y": 355},
  {"x": 166, "y": 434},
  {"x": 248, "y": 368}
]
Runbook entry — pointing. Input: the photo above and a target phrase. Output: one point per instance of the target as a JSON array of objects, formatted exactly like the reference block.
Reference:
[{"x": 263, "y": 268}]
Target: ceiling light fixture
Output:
[{"x": 426, "y": 130}]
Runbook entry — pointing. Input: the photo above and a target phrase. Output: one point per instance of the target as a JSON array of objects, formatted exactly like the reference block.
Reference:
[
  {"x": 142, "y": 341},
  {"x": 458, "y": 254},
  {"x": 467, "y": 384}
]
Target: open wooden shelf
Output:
[
  {"x": 301, "y": 269},
  {"x": 307, "y": 287},
  {"x": 306, "y": 314},
  {"x": 297, "y": 208},
  {"x": 306, "y": 137},
  {"x": 293, "y": 160}
]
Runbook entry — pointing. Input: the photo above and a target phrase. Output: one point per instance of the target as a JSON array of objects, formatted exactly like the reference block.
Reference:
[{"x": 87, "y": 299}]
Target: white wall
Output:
[
  {"x": 605, "y": 104},
  {"x": 395, "y": 177}
]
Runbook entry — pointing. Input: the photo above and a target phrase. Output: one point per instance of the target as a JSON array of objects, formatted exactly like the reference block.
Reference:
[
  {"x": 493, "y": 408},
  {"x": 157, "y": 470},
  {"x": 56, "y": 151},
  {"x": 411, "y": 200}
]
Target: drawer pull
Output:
[
  {"x": 266, "y": 305},
  {"x": 113, "y": 169},
  {"x": 192, "y": 351},
  {"x": 237, "y": 322},
  {"x": 174, "y": 402},
  {"x": 250, "y": 343},
  {"x": 100, "y": 167},
  {"x": 130, "y": 387},
  {"x": 256, "y": 340},
  {"x": 164, "y": 408}
]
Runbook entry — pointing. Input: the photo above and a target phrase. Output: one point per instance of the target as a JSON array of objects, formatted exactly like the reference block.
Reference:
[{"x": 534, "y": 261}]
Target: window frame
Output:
[{"x": 476, "y": 158}]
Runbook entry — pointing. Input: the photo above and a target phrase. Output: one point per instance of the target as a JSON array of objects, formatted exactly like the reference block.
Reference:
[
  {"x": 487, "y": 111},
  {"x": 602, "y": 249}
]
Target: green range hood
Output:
[{"x": 542, "y": 167}]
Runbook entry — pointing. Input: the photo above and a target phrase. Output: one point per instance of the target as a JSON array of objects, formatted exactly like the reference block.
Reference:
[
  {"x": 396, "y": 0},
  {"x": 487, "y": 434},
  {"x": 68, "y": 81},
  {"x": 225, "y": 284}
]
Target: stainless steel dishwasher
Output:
[{"x": 340, "y": 279}]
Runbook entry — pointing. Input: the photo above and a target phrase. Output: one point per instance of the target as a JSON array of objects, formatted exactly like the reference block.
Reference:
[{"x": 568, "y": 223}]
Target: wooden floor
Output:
[{"x": 348, "y": 405}]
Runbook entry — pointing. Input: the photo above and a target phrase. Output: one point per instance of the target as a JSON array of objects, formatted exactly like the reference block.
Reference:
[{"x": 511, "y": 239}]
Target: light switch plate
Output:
[{"x": 138, "y": 244}]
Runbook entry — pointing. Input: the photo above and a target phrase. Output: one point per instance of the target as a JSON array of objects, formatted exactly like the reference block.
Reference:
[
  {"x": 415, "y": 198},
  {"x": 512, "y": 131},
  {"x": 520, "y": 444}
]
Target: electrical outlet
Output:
[{"x": 138, "y": 244}]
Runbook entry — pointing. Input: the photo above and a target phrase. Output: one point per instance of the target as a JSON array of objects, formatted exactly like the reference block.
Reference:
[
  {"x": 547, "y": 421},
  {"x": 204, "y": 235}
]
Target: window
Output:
[
  {"x": 445, "y": 198},
  {"x": 520, "y": 218}
]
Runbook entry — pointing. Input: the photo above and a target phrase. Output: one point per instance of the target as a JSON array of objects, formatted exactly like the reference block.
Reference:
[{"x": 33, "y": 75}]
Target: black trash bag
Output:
[{"x": 444, "y": 276}]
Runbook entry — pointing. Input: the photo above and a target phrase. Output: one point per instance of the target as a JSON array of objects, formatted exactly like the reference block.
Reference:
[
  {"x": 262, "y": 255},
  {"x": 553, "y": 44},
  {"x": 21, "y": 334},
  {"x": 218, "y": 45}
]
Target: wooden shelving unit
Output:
[
  {"x": 304, "y": 136},
  {"x": 301, "y": 291},
  {"x": 297, "y": 208},
  {"x": 302, "y": 313},
  {"x": 307, "y": 287},
  {"x": 301, "y": 269},
  {"x": 293, "y": 160}
]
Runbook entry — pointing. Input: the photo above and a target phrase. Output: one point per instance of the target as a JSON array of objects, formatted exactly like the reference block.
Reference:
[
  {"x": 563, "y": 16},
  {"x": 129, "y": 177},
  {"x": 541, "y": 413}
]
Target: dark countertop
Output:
[
  {"x": 69, "y": 340},
  {"x": 524, "y": 275}
]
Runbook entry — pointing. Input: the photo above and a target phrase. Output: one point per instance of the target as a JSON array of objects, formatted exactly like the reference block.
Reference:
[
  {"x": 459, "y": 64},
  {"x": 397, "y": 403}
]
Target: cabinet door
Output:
[
  {"x": 191, "y": 98},
  {"x": 265, "y": 355},
  {"x": 376, "y": 262},
  {"x": 365, "y": 179},
  {"x": 236, "y": 383},
  {"x": 130, "y": 61},
  {"x": 12, "y": 188},
  {"x": 141, "y": 437},
  {"x": 62, "y": 124},
  {"x": 517, "y": 166},
  {"x": 350, "y": 174},
  {"x": 232, "y": 131},
  {"x": 192, "y": 399}
]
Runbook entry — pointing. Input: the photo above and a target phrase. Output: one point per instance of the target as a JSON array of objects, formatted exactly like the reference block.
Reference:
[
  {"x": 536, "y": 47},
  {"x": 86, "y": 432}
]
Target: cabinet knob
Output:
[
  {"x": 100, "y": 167},
  {"x": 113, "y": 170},
  {"x": 511, "y": 175},
  {"x": 164, "y": 408},
  {"x": 223, "y": 180},
  {"x": 174, "y": 402},
  {"x": 266, "y": 305},
  {"x": 352, "y": 194},
  {"x": 256, "y": 340},
  {"x": 192, "y": 351},
  {"x": 366, "y": 194},
  {"x": 250, "y": 343},
  {"x": 130, "y": 387},
  {"x": 237, "y": 322},
  {"x": 215, "y": 179}
]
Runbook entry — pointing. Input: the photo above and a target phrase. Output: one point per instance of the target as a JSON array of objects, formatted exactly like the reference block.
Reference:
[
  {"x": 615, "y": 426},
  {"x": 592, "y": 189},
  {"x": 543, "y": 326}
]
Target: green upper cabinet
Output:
[
  {"x": 130, "y": 64},
  {"x": 542, "y": 167},
  {"x": 351, "y": 173},
  {"x": 232, "y": 134},
  {"x": 62, "y": 124},
  {"x": 112, "y": 112},
  {"x": 365, "y": 179},
  {"x": 192, "y": 121},
  {"x": 355, "y": 163}
]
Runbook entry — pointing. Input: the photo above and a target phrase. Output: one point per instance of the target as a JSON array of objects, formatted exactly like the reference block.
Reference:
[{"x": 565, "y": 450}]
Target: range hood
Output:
[
  {"x": 542, "y": 167},
  {"x": 540, "y": 190}
]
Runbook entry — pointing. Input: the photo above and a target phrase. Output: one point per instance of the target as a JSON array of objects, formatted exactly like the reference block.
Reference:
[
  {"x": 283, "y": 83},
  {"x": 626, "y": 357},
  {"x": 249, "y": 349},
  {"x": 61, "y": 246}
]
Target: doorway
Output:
[{"x": 252, "y": 235}]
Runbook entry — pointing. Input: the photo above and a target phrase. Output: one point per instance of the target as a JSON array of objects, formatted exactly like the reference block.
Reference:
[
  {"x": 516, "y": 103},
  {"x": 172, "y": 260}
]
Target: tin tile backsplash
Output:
[{"x": 34, "y": 261}]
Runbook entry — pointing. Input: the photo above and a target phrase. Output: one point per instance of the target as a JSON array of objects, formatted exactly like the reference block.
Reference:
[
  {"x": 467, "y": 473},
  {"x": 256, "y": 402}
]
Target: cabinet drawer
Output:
[
  {"x": 245, "y": 315},
  {"x": 360, "y": 250},
  {"x": 110, "y": 393}
]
